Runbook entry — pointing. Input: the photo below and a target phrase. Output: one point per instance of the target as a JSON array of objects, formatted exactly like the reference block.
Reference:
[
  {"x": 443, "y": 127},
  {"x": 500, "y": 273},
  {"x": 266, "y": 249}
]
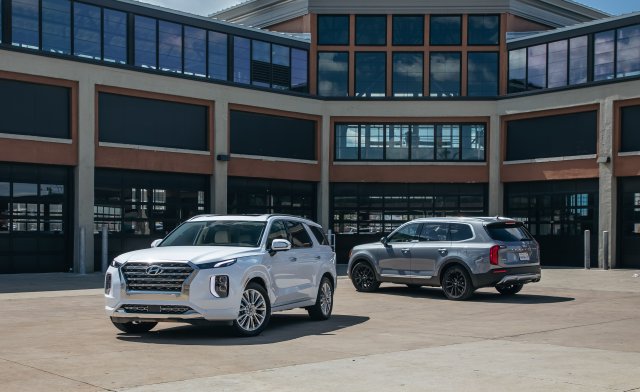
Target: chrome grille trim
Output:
[
  {"x": 156, "y": 309},
  {"x": 170, "y": 279}
]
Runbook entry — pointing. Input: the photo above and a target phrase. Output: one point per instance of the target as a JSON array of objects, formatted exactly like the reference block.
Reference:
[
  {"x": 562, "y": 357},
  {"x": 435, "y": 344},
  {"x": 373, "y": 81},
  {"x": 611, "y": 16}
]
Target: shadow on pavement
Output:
[
  {"x": 57, "y": 281},
  {"x": 282, "y": 327}
]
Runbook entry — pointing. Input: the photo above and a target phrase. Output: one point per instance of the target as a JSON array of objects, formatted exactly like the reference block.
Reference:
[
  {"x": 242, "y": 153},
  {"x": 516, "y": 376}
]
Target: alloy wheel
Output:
[
  {"x": 326, "y": 298},
  {"x": 455, "y": 284},
  {"x": 253, "y": 310},
  {"x": 363, "y": 276}
]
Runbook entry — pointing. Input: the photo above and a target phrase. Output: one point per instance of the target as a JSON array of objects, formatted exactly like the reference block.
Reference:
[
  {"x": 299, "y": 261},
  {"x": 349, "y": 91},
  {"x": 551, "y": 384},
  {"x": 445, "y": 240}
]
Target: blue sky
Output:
[{"x": 205, "y": 7}]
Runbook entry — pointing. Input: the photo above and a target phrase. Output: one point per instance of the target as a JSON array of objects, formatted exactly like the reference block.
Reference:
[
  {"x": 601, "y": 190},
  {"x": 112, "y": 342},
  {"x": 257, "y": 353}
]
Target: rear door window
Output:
[
  {"x": 508, "y": 232},
  {"x": 434, "y": 231},
  {"x": 299, "y": 236}
]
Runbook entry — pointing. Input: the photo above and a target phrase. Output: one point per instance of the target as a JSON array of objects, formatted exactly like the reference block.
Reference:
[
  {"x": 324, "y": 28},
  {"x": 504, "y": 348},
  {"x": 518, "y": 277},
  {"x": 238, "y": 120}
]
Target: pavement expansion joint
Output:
[{"x": 563, "y": 328}]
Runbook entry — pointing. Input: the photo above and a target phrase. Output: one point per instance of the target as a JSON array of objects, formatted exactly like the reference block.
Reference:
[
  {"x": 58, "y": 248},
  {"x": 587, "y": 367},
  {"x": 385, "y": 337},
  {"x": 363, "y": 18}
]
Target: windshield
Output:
[
  {"x": 217, "y": 233},
  {"x": 508, "y": 232}
]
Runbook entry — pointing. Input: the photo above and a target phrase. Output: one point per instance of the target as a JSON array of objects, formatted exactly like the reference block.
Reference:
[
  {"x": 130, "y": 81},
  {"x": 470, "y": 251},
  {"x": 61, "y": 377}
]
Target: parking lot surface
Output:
[{"x": 574, "y": 331}]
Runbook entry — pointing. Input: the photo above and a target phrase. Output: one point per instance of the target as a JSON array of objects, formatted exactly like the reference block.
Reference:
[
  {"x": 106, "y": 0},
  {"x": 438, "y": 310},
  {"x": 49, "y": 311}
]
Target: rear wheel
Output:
[
  {"x": 134, "y": 326},
  {"x": 324, "y": 302},
  {"x": 363, "y": 277},
  {"x": 255, "y": 311},
  {"x": 457, "y": 284},
  {"x": 510, "y": 289}
]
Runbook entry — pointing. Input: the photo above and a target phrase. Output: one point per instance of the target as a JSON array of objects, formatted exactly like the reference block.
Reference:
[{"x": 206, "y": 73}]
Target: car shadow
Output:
[
  {"x": 479, "y": 296},
  {"x": 282, "y": 327}
]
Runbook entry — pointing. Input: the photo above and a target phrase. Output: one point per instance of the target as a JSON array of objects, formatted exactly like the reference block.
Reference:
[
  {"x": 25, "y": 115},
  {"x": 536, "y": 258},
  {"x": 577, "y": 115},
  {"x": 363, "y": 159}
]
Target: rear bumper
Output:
[{"x": 504, "y": 276}]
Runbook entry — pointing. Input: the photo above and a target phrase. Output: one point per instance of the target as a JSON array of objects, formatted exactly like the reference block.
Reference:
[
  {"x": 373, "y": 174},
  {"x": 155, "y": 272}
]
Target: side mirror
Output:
[
  {"x": 155, "y": 243},
  {"x": 384, "y": 241},
  {"x": 279, "y": 245}
]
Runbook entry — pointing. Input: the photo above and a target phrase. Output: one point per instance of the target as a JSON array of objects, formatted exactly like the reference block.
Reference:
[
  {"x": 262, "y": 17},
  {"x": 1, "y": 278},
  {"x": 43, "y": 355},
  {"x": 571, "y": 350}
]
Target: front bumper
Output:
[{"x": 504, "y": 276}]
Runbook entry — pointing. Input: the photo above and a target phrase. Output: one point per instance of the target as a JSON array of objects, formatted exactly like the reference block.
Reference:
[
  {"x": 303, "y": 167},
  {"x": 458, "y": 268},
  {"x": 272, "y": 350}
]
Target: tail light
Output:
[{"x": 494, "y": 254}]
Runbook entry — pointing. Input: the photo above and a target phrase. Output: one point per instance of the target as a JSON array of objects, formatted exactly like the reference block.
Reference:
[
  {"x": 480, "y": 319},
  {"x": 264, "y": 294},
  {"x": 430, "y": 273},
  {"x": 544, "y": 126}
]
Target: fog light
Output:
[
  {"x": 220, "y": 286},
  {"x": 107, "y": 284}
]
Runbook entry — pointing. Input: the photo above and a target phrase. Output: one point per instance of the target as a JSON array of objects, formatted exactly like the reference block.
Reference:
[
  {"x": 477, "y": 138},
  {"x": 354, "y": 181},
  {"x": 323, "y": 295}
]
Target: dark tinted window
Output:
[
  {"x": 460, "y": 232},
  {"x": 277, "y": 232},
  {"x": 508, "y": 232},
  {"x": 150, "y": 122},
  {"x": 170, "y": 46},
  {"x": 444, "y": 74},
  {"x": 627, "y": 51},
  {"x": 34, "y": 109},
  {"x": 484, "y": 30},
  {"x": 537, "y": 67},
  {"x": 56, "y": 26},
  {"x": 630, "y": 129},
  {"x": 371, "y": 29},
  {"x": 408, "y": 30},
  {"x": 274, "y": 136},
  {"x": 299, "y": 236},
  {"x": 25, "y": 22},
  {"x": 319, "y": 234},
  {"x": 86, "y": 31},
  {"x": 217, "y": 55},
  {"x": 482, "y": 71},
  {"x": 371, "y": 74},
  {"x": 241, "y": 60},
  {"x": 299, "y": 70},
  {"x": 145, "y": 30},
  {"x": 407, "y": 233},
  {"x": 115, "y": 36},
  {"x": 445, "y": 30},
  {"x": 603, "y": 55},
  {"x": 517, "y": 70},
  {"x": 195, "y": 51},
  {"x": 333, "y": 74},
  {"x": 260, "y": 196},
  {"x": 433, "y": 232},
  {"x": 552, "y": 136},
  {"x": 333, "y": 29},
  {"x": 407, "y": 74}
]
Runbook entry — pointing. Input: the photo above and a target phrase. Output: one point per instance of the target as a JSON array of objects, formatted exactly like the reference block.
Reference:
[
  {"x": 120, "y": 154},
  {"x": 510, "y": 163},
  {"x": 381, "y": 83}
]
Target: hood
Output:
[{"x": 194, "y": 254}]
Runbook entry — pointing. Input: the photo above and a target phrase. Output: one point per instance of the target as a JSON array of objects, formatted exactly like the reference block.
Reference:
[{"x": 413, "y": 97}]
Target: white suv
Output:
[{"x": 234, "y": 269}]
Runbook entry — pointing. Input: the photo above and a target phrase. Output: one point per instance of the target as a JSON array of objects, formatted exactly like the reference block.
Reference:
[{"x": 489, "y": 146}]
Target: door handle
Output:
[
  {"x": 293, "y": 259},
  {"x": 318, "y": 257},
  {"x": 443, "y": 251},
  {"x": 405, "y": 250}
]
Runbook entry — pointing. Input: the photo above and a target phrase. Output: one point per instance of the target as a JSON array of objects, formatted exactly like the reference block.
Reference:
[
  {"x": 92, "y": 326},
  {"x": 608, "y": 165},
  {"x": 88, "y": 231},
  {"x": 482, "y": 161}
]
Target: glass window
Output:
[
  {"x": 483, "y": 29},
  {"x": 603, "y": 55},
  {"x": 408, "y": 30},
  {"x": 145, "y": 42},
  {"x": 578, "y": 52},
  {"x": 299, "y": 70},
  {"x": 423, "y": 142},
  {"x": 370, "y": 74},
  {"x": 397, "y": 142},
  {"x": 115, "y": 36},
  {"x": 299, "y": 236},
  {"x": 333, "y": 74},
  {"x": 241, "y": 60},
  {"x": 628, "y": 51},
  {"x": 277, "y": 231},
  {"x": 459, "y": 232},
  {"x": 482, "y": 76},
  {"x": 195, "y": 51},
  {"x": 372, "y": 142},
  {"x": 56, "y": 26},
  {"x": 87, "y": 41},
  {"x": 473, "y": 138},
  {"x": 281, "y": 70},
  {"x": 217, "y": 55},
  {"x": 25, "y": 22},
  {"x": 445, "y": 30},
  {"x": 346, "y": 142},
  {"x": 408, "y": 233},
  {"x": 170, "y": 46},
  {"x": 557, "y": 64},
  {"x": 371, "y": 29},
  {"x": 433, "y": 231},
  {"x": 261, "y": 62},
  {"x": 333, "y": 29},
  {"x": 319, "y": 234},
  {"x": 517, "y": 70},
  {"x": 537, "y": 67},
  {"x": 448, "y": 142},
  {"x": 407, "y": 74},
  {"x": 444, "y": 74}
]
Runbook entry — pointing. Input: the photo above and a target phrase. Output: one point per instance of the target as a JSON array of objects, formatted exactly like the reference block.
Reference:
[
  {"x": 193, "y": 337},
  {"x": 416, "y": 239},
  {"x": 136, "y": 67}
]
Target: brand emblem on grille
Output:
[{"x": 153, "y": 270}]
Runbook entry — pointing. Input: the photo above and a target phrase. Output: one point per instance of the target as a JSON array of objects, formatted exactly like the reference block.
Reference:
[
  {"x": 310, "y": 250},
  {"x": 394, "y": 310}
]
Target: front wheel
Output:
[
  {"x": 457, "y": 284},
  {"x": 363, "y": 277},
  {"x": 510, "y": 289},
  {"x": 324, "y": 302},
  {"x": 255, "y": 311},
  {"x": 134, "y": 326}
]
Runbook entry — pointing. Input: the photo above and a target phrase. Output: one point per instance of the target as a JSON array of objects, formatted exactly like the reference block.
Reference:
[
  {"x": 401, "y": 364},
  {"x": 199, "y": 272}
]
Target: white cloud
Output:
[{"x": 198, "y": 7}]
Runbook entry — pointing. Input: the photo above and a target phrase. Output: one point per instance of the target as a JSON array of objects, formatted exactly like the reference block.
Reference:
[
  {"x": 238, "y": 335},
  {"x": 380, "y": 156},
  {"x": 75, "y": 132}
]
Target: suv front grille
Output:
[
  {"x": 166, "y": 277},
  {"x": 157, "y": 309}
]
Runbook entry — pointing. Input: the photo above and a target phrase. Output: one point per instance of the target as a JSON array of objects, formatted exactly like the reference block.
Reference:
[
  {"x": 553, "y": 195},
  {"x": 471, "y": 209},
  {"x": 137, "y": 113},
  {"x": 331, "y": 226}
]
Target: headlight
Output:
[
  {"x": 116, "y": 264},
  {"x": 219, "y": 286},
  {"x": 217, "y": 264}
]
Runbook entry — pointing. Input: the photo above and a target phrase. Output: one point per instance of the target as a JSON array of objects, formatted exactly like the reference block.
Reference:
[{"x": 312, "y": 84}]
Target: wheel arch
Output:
[
  {"x": 455, "y": 262},
  {"x": 363, "y": 258}
]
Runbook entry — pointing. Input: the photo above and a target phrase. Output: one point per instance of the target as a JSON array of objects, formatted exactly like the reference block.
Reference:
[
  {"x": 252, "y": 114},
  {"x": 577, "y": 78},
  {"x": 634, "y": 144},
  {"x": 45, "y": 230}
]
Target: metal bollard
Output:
[
  {"x": 105, "y": 248},
  {"x": 605, "y": 250},
  {"x": 587, "y": 249},
  {"x": 82, "y": 267}
]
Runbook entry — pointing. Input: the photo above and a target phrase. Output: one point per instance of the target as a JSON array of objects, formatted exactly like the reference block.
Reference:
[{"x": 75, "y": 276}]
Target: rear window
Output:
[
  {"x": 317, "y": 232},
  {"x": 508, "y": 232}
]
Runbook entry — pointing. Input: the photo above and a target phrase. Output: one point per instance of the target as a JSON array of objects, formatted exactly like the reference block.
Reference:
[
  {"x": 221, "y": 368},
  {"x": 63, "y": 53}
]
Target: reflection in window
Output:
[
  {"x": 333, "y": 29},
  {"x": 423, "y": 142},
  {"x": 537, "y": 67},
  {"x": 408, "y": 30},
  {"x": 241, "y": 60},
  {"x": 370, "y": 74},
  {"x": 145, "y": 42},
  {"x": 280, "y": 67},
  {"x": 217, "y": 55},
  {"x": 346, "y": 142},
  {"x": 578, "y": 52},
  {"x": 86, "y": 31},
  {"x": 170, "y": 46},
  {"x": 371, "y": 29},
  {"x": 473, "y": 137},
  {"x": 372, "y": 142},
  {"x": 483, "y": 29},
  {"x": 444, "y": 74},
  {"x": 448, "y": 142},
  {"x": 333, "y": 74},
  {"x": 397, "y": 142},
  {"x": 299, "y": 70},
  {"x": 261, "y": 63},
  {"x": 603, "y": 55},
  {"x": 517, "y": 70},
  {"x": 115, "y": 36},
  {"x": 445, "y": 30},
  {"x": 195, "y": 51},
  {"x": 482, "y": 71},
  {"x": 557, "y": 64},
  {"x": 628, "y": 51},
  {"x": 25, "y": 23},
  {"x": 407, "y": 74},
  {"x": 56, "y": 26}
]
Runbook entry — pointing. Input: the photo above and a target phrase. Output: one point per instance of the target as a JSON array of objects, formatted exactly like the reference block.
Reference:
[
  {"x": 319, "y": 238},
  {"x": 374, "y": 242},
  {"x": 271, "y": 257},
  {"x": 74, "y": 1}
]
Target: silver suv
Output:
[
  {"x": 231, "y": 269},
  {"x": 458, "y": 254}
]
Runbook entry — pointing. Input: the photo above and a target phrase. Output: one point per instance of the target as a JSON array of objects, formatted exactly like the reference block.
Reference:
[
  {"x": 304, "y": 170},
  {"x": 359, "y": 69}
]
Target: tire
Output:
[
  {"x": 456, "y": 284},
  {"x": 363, "y": 277},
  {"x": 510, "y": 289},
  {"x": 413, "y": 286},
  {"x": 255, "y": 311},
  {"x": 324, "y": 302},
  {"x": 135, "y": 326}
]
